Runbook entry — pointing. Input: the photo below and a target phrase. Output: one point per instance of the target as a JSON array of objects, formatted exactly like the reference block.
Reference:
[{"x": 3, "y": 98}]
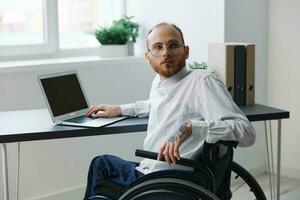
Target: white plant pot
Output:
[
  {"x": 130, "y": 49},
  {"x": 113, "y": 50}
]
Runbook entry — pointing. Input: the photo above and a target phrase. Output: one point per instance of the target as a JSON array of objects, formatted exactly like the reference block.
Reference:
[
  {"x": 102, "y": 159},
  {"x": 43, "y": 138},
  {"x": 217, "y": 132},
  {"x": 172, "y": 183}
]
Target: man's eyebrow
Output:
[{"x": 158, "y": 43}]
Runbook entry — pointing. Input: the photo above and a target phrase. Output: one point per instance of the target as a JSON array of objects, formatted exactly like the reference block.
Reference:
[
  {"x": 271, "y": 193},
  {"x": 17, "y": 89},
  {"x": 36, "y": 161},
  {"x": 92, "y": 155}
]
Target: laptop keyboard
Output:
[{"x": 80, "y": 119}]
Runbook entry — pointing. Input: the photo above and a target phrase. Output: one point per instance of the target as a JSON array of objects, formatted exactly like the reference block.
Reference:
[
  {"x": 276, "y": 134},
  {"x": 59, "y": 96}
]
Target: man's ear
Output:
[
  {"x": 146, "y": 56},
  {"x": 187, "y": 52}
]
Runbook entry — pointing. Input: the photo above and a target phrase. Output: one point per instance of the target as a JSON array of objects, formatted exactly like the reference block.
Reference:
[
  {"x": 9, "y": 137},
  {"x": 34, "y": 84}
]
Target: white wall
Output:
[
  {"x": 103, "y": 81},
  {"x": 283, "y": 76},
  {"x": 201, "y": 21},
  {"x": 56, "y": 166}
]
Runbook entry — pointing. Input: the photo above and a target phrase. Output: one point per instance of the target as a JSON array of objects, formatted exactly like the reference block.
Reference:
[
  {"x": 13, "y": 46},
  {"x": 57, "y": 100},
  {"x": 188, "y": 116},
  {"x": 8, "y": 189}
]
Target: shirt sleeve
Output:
[
  {"x": 137, "y": 109},
  {"x": 222, "y": 119}
]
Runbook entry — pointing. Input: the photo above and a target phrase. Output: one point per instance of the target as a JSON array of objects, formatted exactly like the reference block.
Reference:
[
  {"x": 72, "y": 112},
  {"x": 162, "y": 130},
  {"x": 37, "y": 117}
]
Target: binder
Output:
[
  {"x": 221, "y": 60},
  {"x": 234, "y": 64},
  {"x": 240, "y": 75},
  {"x": 250, "y": 74}
]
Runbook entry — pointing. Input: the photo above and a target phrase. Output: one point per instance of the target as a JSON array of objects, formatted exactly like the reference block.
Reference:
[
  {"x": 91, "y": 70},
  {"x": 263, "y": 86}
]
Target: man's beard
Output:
[{"x": 169, "y": 71}]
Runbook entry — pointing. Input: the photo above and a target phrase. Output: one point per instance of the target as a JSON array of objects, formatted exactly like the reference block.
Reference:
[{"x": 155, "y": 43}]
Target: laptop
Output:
[{"x": 67, "y": 102}]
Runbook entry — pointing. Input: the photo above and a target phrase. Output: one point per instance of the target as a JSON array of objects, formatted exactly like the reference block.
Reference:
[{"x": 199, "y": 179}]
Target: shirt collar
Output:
[{"x": 168, "y": 83}]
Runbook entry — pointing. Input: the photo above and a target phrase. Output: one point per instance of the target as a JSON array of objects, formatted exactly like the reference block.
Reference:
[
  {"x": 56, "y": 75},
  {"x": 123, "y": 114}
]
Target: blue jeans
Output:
[{"x": 114, "y": 169}]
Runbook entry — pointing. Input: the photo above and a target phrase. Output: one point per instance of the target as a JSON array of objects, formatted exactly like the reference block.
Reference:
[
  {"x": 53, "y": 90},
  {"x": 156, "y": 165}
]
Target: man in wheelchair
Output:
[{"x": 187, "y": 110}]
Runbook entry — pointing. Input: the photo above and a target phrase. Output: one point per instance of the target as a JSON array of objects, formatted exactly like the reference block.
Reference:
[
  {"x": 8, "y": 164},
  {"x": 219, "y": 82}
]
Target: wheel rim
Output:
[
  {"x": 157, "y": 185},
  {"x": 246, "y": 187}
]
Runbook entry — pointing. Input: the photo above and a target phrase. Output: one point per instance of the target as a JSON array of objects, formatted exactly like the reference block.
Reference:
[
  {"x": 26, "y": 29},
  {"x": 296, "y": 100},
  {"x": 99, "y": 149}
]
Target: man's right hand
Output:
[{"x": 103, "y": 110}]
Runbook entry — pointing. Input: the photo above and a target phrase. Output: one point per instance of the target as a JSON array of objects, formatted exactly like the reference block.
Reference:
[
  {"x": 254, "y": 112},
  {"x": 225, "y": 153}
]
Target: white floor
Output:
[{"x": 290, "y": 189}]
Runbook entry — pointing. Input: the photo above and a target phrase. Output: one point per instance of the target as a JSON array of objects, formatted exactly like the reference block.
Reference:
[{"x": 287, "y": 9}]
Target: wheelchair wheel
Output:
[
  {"x": 168, "y": 189},
  {"x": 244, "y": 177}
]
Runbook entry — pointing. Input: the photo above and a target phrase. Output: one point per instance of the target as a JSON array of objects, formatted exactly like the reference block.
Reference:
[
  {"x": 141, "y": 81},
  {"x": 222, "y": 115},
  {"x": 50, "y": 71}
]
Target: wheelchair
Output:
[{"x": 210, "y": 179}]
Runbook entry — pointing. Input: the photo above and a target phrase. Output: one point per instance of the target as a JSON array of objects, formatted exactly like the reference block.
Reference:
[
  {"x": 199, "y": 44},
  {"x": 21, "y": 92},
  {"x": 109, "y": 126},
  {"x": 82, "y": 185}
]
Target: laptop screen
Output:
[{"x": 64, "y": 94}]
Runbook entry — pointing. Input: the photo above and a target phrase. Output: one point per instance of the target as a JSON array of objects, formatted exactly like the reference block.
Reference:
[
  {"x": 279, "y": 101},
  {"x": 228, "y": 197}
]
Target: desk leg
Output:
[
  {"x": 5, "y": 172},
  {"x": 18, "y": 171},
  {"x": 278, "y": 158},
  {"x": 272, "y": 160},
  {"x": 270, "y": 169}
]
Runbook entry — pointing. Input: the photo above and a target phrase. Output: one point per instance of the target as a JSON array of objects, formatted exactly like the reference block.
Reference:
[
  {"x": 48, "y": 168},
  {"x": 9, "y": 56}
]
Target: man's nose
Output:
[{"x": 165, "y": 51}]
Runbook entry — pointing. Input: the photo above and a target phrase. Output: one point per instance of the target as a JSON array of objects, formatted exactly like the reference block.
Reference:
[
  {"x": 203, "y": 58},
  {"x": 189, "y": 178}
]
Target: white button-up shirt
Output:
[{"x": 196, "y": 96}]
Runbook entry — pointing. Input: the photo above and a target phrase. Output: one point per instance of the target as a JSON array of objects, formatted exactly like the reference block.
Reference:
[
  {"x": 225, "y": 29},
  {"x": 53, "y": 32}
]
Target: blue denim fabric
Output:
[{"x": 117, "y": 170}]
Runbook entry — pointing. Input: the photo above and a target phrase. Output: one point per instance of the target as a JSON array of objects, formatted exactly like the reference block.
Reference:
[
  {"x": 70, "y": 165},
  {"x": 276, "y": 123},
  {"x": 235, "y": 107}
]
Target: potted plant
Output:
[
  {"x": 118, "y": 39},
  {"x": 203, "y": 65}
]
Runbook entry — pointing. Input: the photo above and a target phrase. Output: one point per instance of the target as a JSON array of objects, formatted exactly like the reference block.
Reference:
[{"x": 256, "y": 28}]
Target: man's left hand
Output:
[{"x": 170, "y": 149}]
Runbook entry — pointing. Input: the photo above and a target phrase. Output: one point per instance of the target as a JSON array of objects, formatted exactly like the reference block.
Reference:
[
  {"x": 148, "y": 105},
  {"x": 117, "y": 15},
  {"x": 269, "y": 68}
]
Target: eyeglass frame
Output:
[{"x": 167, "y": 47}]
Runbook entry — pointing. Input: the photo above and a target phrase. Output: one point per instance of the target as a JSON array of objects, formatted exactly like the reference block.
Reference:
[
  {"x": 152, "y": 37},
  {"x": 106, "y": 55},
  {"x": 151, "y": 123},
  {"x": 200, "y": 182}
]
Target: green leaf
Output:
[{"x": 196, "y": 65}]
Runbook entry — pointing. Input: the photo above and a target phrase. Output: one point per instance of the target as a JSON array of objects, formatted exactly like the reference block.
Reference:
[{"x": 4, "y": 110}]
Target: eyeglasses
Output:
[{"x": 173, "y": 48}]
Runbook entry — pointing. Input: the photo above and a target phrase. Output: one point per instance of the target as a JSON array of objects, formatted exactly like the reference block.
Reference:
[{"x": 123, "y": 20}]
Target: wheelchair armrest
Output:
[
  {"x": 209, "y": 150},
  {"x": 207, "y": 154},
  {"x": 196, "y": 165},
  {"x": 153, "y": 156}
]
